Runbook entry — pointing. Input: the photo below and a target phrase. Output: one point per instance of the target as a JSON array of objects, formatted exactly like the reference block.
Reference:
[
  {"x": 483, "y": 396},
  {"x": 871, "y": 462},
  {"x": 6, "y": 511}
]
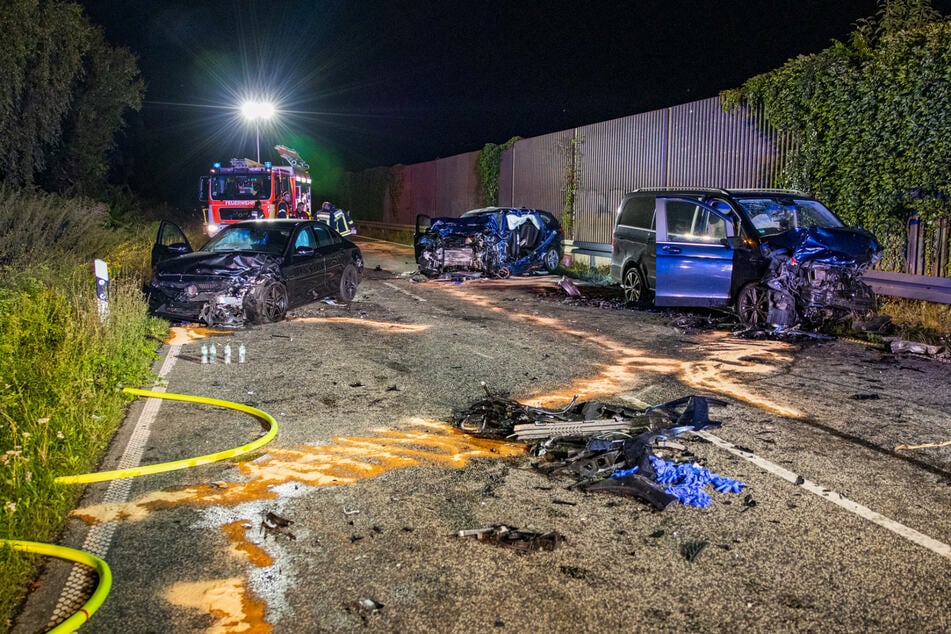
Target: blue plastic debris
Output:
[
  {"x": 690, "y": 495},
  {"x": 687, "y": 481},
  {"x": 727, "y": 485},
  {"x": 620, "y": 473}
]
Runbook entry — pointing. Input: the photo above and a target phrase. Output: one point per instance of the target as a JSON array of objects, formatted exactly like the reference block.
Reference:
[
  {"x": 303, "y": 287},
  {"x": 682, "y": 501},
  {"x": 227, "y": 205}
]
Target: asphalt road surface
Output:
[{"x": 367, "y": 486}]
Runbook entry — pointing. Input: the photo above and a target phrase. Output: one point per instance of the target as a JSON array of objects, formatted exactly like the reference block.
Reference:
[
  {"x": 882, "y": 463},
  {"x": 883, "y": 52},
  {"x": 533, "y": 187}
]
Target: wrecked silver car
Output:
[
  {"x": 251, "y": 272},
  {"x": 779, "y": 258}
]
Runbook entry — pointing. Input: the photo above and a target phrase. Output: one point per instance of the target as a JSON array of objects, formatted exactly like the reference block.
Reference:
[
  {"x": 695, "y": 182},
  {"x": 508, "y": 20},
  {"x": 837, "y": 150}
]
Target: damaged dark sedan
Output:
[
  {"x": 491, "y": 242},
  {"x": 778, "y": 257},
  {"x": 251, "y": 272}
]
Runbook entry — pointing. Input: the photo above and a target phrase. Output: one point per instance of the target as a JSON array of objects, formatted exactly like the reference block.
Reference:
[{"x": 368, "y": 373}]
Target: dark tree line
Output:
[{"x": 64, "y": 92}]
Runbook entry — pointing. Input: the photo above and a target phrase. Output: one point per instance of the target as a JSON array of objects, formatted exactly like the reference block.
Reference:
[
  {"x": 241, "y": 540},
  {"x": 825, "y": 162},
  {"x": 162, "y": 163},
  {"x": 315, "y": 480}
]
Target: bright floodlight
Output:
[{"x": 253, "y": 110}]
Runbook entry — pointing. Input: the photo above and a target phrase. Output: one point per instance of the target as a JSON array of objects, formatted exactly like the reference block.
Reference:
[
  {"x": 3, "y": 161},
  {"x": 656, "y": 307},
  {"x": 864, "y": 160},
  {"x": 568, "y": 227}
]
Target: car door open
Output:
[{"x": 694, "y": 258}]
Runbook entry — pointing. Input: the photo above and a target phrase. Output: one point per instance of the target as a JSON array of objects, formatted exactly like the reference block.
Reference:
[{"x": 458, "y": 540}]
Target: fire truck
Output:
[{"x": 248, "y": 189}]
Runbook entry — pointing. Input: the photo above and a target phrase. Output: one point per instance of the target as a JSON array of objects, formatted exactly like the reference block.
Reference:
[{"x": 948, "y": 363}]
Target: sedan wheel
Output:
[
  {"x": 551, "y": 260},
  {"x": 752, "y": 304},
  {"x": 635, "y": 289},
  {"x": 349, "y": 280},
  {"x": 267, "y": 303}
]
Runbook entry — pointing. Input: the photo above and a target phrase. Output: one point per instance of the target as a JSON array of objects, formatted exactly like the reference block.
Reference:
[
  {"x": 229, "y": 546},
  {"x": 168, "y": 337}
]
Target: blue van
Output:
[{"x": 776, "y": 257}]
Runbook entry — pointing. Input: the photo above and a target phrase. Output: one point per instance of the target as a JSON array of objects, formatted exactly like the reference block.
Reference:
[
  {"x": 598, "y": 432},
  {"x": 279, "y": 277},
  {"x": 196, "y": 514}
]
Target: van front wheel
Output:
[{"x": 752, "y": 304}]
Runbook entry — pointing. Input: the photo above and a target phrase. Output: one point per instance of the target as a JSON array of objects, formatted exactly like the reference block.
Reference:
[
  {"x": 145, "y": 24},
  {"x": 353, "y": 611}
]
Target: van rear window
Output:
[{"x": 638, "y": 212}]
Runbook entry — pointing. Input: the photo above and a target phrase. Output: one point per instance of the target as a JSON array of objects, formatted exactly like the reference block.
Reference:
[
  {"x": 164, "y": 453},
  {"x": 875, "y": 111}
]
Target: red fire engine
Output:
[{"x": 248, "y": 189}]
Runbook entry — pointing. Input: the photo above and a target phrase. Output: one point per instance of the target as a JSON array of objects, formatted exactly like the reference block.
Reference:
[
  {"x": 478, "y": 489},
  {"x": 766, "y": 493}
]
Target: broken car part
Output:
[{"x": 511, "y": 537}]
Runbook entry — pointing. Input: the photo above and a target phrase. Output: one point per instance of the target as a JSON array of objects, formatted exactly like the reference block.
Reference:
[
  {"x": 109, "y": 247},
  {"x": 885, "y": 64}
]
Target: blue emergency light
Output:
[{"x": 216, "y": 165}]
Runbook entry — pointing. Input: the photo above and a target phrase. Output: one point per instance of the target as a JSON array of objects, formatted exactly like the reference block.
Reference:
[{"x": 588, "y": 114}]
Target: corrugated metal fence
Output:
[
  {"x": 691, "y": 145},
  {"x": 591, "y": 167},
  {"x": 581, "y": 174}
]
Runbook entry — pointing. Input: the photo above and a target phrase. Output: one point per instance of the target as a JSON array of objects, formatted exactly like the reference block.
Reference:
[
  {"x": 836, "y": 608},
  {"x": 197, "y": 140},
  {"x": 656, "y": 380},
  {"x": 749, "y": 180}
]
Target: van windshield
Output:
[{"x": 772, "y": 215}]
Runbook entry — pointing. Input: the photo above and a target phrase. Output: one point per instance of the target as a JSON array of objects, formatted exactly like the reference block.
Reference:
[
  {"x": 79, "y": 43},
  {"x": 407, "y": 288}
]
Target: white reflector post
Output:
[{"x": 102, "y": 288}]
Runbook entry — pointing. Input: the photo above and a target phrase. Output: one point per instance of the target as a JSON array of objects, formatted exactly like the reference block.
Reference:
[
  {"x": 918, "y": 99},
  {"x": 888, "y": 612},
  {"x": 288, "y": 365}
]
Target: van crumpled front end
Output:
[{"x": 815, "y": 276}]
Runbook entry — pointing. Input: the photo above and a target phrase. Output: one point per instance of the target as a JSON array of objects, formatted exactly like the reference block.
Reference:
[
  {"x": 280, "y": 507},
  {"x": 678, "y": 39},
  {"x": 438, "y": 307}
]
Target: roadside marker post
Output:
[{"x": 102, "y": 288}]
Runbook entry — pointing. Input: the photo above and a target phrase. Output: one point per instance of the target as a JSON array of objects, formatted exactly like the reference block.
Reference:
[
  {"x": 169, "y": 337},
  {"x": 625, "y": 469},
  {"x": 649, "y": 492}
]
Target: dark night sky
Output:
[{"x": 361, "y": 84}]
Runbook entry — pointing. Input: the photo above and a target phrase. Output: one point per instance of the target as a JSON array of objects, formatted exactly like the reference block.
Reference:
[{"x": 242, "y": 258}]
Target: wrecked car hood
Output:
[
  {"x": 838, "y": 246},
  {"x": 234, "y": 263}
]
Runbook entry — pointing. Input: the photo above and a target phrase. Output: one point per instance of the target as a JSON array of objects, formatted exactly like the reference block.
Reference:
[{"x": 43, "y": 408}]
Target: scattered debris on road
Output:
[
  {"x": 274, "y": 523},
  {"x": 609, "y": 448},
  {"x": 896, "y": 345},
  {"x": 511, "y": 537},
  {"x": 569, "y": 287},
  {"x": 927, "y": 445}
]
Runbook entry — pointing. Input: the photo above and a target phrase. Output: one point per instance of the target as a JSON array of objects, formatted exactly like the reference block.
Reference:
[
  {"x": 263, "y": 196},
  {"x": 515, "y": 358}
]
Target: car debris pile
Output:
[{"x": 609, "y": 448}]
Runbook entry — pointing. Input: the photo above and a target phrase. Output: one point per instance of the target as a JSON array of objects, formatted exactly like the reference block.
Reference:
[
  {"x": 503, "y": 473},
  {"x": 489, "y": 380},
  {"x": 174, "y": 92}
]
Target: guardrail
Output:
[{"x": 923, "y": 287}]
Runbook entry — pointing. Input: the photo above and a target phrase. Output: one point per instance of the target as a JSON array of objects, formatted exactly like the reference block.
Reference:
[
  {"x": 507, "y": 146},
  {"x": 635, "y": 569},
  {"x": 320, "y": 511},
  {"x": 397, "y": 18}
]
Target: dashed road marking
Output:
[
  {"x": 404, "y": 291},
  {"x": 898, "y": 528},
  {"x": 81, "y": 578}
]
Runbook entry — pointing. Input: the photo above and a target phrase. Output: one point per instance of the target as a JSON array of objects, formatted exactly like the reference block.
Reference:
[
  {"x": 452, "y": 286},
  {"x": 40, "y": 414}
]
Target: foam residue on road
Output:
[
  {"x": 725, "y": 364},
  {"x": 226, "y": 600},
  {"x": 343, "y": 461}
]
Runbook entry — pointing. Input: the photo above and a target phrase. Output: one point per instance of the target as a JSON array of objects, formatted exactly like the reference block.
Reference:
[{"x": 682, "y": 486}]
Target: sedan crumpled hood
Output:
[
  {"x": 233, "y": 263},
  {"x": 839, "y": 246}
]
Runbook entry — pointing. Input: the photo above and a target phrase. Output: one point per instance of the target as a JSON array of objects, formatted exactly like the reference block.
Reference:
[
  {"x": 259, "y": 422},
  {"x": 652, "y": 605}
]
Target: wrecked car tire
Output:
[
  {"x": 551, "y": 260},
  {"x": 752, "y": 304},
  {"x": 267, "y": 303},
  {"x": 349, "y": 280},
  {"x": 635, "y": 287}
]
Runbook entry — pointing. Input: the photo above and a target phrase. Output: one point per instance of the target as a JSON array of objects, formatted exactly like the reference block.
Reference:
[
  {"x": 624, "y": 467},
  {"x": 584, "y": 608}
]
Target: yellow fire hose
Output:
[
  {"x": 61, "y": 552},
  {"x": 101, "y": 567},
  {"x": 162, "y": 467}
]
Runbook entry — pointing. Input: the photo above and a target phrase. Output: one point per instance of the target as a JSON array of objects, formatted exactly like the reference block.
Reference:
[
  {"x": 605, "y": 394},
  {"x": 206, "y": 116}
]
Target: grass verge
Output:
[{"x": 61, "y": 365}]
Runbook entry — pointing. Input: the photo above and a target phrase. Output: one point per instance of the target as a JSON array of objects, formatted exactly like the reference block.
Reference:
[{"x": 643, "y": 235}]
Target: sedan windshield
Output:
[
  {"x": 256, "y": 239},
  {"x": 774, "y": 215}
]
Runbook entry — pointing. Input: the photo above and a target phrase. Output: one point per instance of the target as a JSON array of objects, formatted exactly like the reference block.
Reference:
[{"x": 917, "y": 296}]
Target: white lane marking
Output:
[
  {"x": 405, "y": 292},
  {"x": 908, "y": 533},
  {"x": 81, "y": 580},
  {"x": 482, "y": 355}
]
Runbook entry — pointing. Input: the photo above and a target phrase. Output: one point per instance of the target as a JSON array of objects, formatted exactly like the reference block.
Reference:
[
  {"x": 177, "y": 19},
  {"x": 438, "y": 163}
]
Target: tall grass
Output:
[{"x": 61, "y": 365}]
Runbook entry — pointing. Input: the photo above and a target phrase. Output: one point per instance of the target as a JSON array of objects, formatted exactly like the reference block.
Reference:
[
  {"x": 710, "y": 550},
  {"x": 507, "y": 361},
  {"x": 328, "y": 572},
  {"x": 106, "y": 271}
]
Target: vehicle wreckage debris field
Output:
[{"x": 351, "y": 518}]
